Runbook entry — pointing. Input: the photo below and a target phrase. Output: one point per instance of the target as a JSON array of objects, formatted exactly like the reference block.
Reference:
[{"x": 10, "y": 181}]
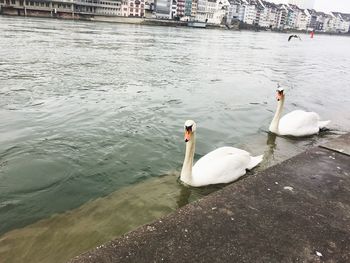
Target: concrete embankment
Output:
[{"x": 296, "y": 211}]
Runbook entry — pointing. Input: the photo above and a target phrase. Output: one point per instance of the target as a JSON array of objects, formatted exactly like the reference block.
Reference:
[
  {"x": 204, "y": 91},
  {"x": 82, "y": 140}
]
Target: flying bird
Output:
[{"x": 291, "y": 36}]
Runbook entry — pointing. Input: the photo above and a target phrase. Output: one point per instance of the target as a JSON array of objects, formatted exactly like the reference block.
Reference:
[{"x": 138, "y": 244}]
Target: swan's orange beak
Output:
[{"x": 187, "y": 135}]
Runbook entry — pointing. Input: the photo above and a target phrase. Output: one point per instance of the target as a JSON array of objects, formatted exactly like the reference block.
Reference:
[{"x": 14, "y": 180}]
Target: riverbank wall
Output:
[{"x": 296, "y": 211}]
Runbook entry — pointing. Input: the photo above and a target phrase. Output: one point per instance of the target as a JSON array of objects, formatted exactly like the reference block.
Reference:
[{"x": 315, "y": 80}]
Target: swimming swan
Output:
[
  {"x": 223, "y": 165},
  {"x": 296, "y": 123}
]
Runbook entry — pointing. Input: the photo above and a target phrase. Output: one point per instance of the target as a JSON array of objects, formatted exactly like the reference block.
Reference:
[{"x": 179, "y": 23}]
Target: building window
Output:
[
  {"x": 131, "y": 10},
  {"x": 47, "y": 4}
]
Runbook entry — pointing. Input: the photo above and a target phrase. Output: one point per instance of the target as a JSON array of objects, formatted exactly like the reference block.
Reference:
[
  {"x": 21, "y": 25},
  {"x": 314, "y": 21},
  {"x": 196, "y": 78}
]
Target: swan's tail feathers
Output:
[
  {"x": 323, "y": 124},
  {"x": 254, "y": 161}
]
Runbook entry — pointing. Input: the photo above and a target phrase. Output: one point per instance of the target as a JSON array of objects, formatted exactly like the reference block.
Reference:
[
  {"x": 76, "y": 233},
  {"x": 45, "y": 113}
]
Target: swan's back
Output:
[
  {"x": 299, "y": 123},
  {"x": 223, "y": 165}
]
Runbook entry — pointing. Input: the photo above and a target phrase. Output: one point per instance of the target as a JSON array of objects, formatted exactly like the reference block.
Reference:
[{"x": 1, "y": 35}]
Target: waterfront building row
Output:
[
  {"x": 257, "y": 13},
  {"x": 72, "y": 8},
  {"x": 285, "y": 17}
]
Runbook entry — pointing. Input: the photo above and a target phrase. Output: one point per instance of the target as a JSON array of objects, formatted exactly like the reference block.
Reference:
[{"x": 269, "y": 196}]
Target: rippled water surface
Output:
[{"x": 91, "y": 137}]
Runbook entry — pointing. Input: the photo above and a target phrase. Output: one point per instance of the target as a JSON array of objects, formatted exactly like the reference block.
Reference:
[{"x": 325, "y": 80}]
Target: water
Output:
[{"x": 92, "y": 114}]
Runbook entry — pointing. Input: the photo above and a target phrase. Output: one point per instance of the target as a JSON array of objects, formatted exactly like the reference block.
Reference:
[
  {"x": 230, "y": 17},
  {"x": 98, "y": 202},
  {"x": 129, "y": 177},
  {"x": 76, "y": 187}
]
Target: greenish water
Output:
[{"x": 92, "y": 114}]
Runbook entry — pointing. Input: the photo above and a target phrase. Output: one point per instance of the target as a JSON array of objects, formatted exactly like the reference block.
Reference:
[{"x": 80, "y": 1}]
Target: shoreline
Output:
[{"x": 164, "y": 23}]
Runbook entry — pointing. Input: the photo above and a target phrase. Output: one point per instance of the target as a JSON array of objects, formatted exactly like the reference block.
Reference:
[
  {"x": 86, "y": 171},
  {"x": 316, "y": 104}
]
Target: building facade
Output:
[{"x": 163, "y": 9}]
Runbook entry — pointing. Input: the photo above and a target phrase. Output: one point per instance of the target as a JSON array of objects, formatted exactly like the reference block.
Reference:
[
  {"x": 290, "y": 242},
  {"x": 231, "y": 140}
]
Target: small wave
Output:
[
  {"x": 17, "y": 90},
  {"x": 37, "y": 104},
  {"x": 9, "y": 203},
  {"x": 174, "y": 101}
]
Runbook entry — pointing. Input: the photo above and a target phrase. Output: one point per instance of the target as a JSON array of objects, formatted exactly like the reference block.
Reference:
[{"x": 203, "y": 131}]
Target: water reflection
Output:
[
  {"x": 270, "y": 149},
  {"x": 189, "y": 194},
  {"x": 184, "y": 197},
  {"x": 63, "y": 236}
]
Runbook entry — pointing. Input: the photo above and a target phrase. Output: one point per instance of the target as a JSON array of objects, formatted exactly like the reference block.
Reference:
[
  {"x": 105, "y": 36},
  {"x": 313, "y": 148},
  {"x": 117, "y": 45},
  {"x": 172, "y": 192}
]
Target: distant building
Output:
[
  {"x": 201, "y": 14},
  {"x": 188, "y": 8},
  {"x": 232, "y": 12},
  {"x": 312, "y": 19},
  {"x": 174, "y": 13},
  {"x": 272, "y": 12},
  {"x": 134, "y": 8},
  {"x": 249, "y": 15},
  {"x": 109, "y": 7},
  {"x": 194, "y": 7},
  {"x": 341, "y": 22},
  {"x": 74, "y": 8},
  {"x": 302, "y": 20},
  {"x": 281, "y": 16},
  {"x": 58, "y": 8},
  {"x": 346, "y": 18},
  {"x": 180, "y": 8},
  {"x": 320, "y": 20},
  {"x": 163, "y": 9}
]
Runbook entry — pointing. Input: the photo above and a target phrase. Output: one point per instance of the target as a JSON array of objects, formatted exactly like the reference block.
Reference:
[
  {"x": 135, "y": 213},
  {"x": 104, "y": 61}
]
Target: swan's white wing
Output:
[
  {"x": 220, "y": 152},
  {"x": 299, "y": 123},
  {"x": 223, "y": 165}
]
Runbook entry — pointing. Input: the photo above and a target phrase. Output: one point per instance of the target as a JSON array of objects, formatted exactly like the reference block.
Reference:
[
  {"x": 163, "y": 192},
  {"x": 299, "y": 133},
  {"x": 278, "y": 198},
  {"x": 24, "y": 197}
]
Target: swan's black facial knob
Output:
[
  {"x": 188, "y": 132},
  {"x": 279, "y": 94},
  {"x": 188, "y": 128}
]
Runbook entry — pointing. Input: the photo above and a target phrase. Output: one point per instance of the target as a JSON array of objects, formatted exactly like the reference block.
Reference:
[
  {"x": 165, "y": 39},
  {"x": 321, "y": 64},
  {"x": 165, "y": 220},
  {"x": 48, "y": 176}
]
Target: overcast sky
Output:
[{"x": 326, "y": 5}]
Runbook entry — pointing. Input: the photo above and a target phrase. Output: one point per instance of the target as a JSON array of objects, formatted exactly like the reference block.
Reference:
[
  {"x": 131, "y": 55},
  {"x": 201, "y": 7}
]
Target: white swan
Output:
[
  {"x": 296, "y": 123},
  {"x": 223, "y": 165}
]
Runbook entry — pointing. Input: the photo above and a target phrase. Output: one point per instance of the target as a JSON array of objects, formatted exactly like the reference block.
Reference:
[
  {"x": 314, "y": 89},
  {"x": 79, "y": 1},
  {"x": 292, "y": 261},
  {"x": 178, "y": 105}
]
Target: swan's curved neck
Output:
[
  {"x": 186, "y": 172},
  {"x": 276, "y": 119}
]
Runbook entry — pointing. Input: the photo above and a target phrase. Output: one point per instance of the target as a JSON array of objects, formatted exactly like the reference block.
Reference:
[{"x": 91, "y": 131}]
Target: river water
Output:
[{"x": 92, "y": 114}]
